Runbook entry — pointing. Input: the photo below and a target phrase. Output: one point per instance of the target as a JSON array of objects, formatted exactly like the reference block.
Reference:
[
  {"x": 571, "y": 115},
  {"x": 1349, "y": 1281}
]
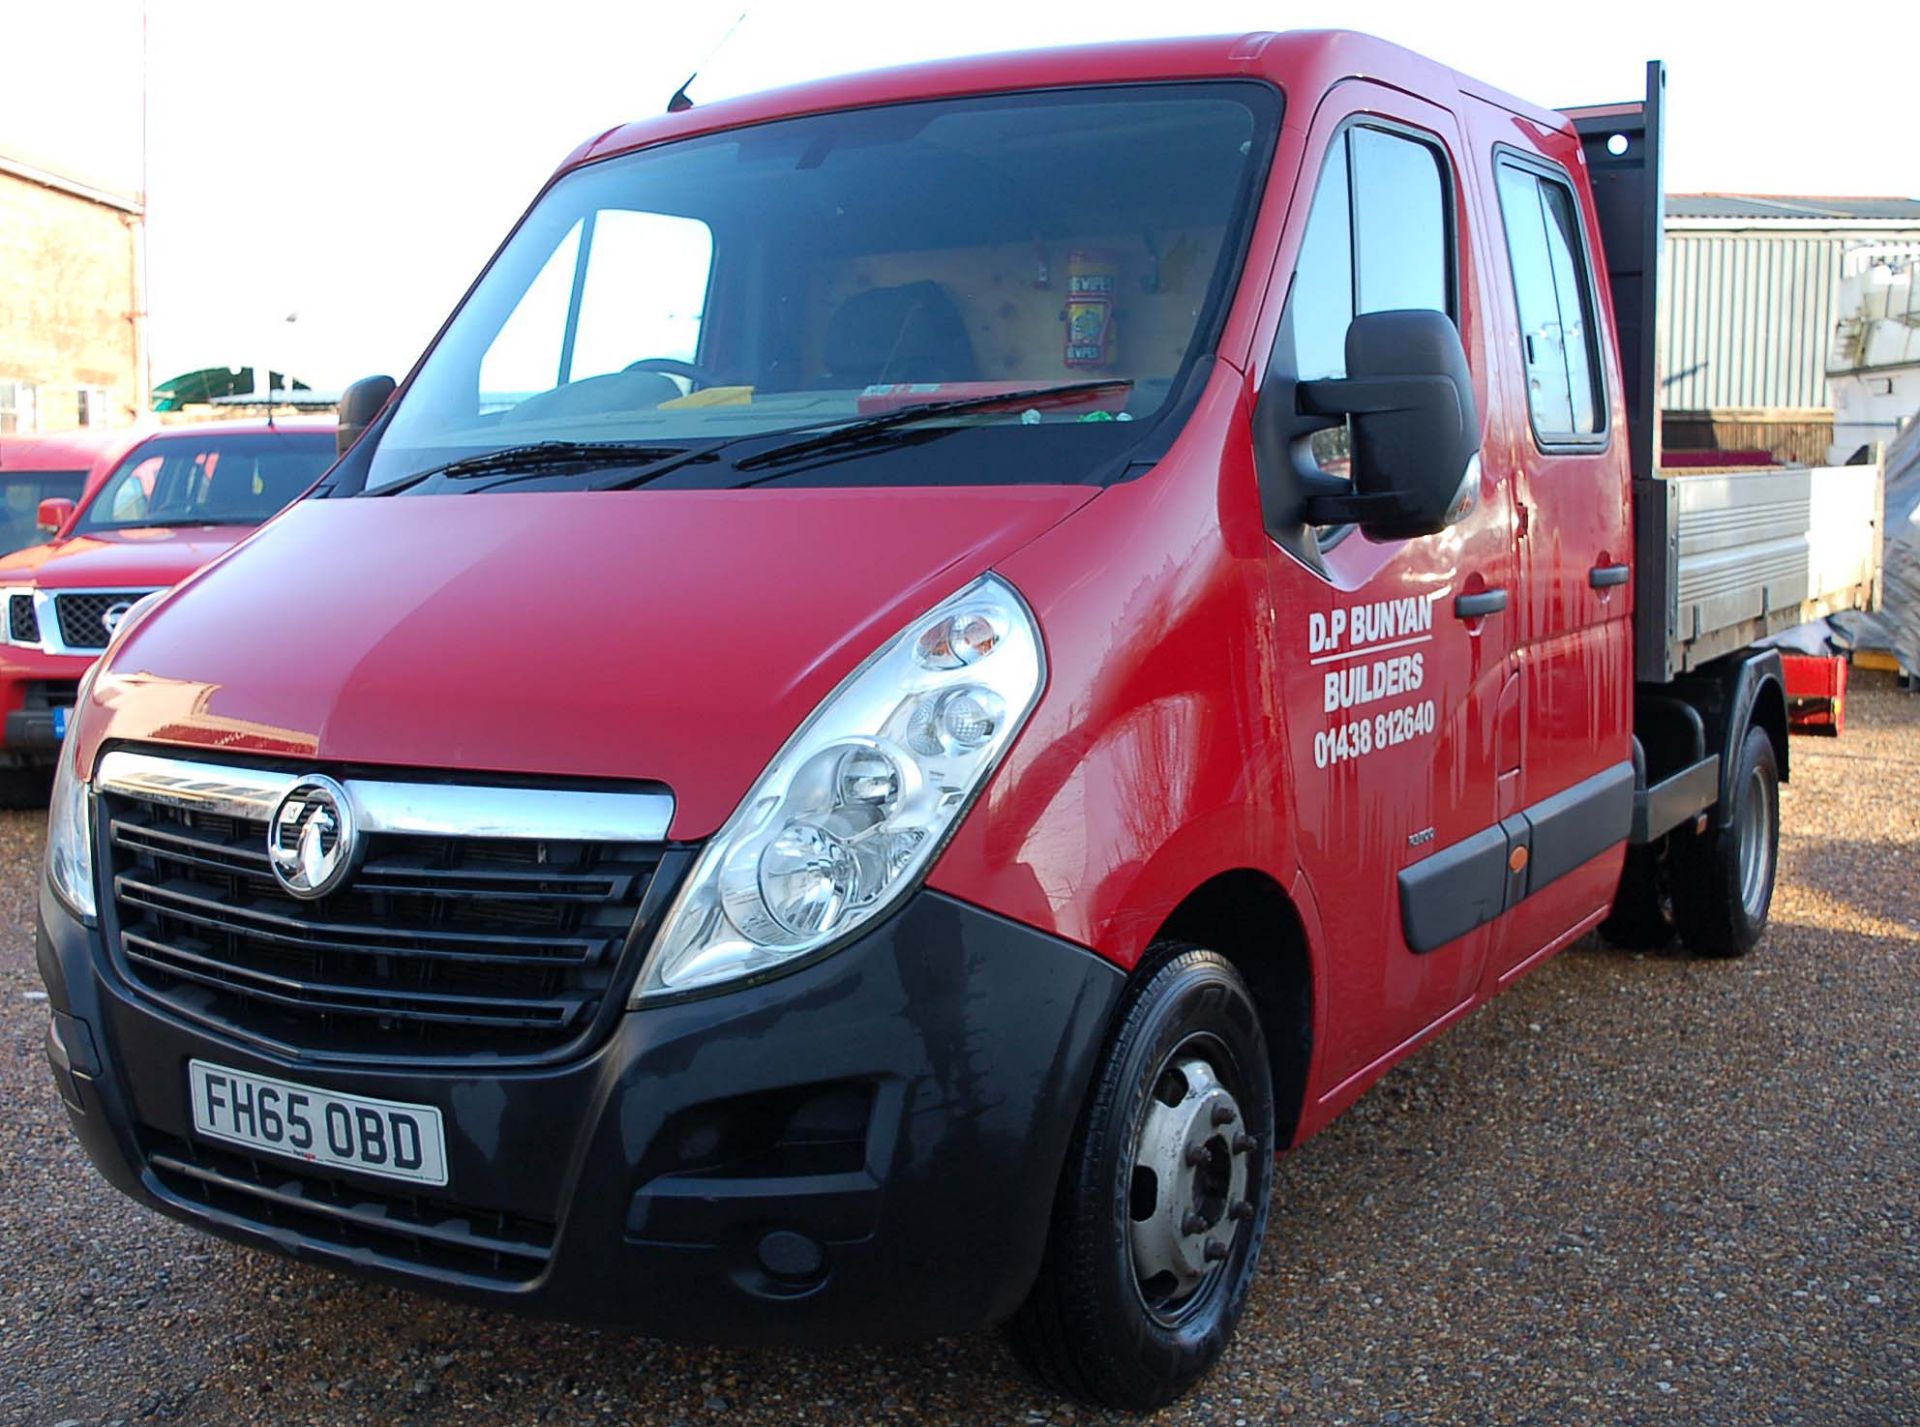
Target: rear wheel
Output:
[
  {"x": 1722, "y": 880},
  {"x": 1163, "y": 1201}
]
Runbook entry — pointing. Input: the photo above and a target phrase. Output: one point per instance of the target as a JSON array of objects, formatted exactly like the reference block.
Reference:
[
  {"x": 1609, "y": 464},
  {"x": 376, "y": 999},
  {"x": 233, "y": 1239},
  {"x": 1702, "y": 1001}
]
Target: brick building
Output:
[{"x": 72, "y": 303}]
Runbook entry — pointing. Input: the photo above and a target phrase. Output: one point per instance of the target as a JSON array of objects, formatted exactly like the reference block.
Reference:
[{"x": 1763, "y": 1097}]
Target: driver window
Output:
[
  {"x": 132, "y": 495},
  {"x": 621, "y": 286},
  {"x": 525, "y": 356},
  {"x": 1376, "y": 241},
  {"x": 646, "y": 285}
]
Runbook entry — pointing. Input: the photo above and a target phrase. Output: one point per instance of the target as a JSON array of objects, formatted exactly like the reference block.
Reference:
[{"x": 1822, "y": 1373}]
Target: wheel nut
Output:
[
  {"x": 1196, "y": 1155},
  {"x": 1192, "y": 1222},
  {"x": 1223, "y": 1115},
  {"x": 1239, "y": 1210},
  {"x": 1215, "y": 1251},
  {"x": 1242, "y": 1143}
]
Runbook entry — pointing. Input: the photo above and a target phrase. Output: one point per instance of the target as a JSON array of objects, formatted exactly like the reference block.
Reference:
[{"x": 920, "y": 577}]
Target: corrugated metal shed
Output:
[
  {"x": 1746, "y": 305},
  {"x": 1768, "y": 207}
]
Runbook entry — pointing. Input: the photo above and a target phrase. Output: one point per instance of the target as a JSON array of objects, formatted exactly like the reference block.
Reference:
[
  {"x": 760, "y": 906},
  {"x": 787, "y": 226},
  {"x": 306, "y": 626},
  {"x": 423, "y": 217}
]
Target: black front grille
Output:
[
  {"x": 83, "y": 616},
  {"x": 23, "y": 625},
  {"x": 402, "y": 1230},
  {"x": 436, "y": 947}
]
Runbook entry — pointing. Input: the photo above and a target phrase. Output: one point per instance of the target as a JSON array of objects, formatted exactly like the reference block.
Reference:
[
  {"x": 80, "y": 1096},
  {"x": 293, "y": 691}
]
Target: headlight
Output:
[
  {"x": 852, "y": 811},
  {"x": 70, "y": 824}
]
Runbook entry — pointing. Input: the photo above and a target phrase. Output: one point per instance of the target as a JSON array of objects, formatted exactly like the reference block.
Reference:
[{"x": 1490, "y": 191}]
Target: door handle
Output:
[
  {"x": 1605, "y": 577},
  {"x": 1480, "y": 604}
]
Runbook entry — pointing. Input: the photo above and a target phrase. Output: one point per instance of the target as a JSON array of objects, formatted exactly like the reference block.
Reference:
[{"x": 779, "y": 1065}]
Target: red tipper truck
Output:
[
  {"x": 929, "y": 670},
  {"x": 157, "y": 505},
  {"x": 43, "y": 474}
]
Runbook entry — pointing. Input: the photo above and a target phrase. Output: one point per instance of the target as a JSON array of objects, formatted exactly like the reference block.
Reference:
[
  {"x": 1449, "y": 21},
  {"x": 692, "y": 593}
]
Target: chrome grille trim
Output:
[
  {"x": 46, "y": 606},
  {"x": 416, "y": 809},
  {"x": 23, "y": 625},
  {"x": 203, "y": 787},
  {"x": 477, "y": 923}
]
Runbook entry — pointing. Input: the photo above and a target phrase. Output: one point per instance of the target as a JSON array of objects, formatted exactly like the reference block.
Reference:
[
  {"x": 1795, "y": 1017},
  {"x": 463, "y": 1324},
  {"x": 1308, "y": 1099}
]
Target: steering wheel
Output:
[{"x": 672, "y": 366}]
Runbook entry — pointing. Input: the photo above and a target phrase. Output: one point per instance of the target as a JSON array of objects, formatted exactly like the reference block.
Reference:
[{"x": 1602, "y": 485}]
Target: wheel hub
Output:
[
  {"x": 1753, "y": 826},
  {"x": 1189, "y": 1191}
]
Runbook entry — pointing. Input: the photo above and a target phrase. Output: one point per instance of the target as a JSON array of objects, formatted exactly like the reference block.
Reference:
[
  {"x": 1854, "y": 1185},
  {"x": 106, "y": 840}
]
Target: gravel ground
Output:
[{"x": 1636, "y": 1189}]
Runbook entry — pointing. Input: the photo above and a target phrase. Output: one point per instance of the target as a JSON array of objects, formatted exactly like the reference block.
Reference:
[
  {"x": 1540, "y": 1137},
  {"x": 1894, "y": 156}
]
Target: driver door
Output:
[{"x": 1394, "y": 659}]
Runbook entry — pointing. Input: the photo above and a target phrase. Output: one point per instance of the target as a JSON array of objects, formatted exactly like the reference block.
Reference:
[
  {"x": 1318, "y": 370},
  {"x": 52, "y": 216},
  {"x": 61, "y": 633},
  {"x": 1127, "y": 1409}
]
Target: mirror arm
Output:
[
  {"x": 1330, "y": 500},
  {"x": 1346, "y": 507},
  {"x": 1366, "y": 396}
]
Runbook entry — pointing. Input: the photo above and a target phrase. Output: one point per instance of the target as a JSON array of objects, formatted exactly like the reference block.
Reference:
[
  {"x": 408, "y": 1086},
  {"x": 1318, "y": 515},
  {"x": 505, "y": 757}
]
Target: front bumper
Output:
[
  {"x": 32, "y": 684},
  {"x": 865, "y": 1149}
]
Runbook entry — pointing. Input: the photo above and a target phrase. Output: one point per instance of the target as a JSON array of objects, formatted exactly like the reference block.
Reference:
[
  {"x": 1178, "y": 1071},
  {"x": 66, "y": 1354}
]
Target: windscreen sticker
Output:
[{"x": 1369, "y": 654}]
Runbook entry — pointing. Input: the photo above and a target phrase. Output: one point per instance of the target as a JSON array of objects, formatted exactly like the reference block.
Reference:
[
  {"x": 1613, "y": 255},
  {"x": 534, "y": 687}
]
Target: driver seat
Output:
[{"x": 910, "y": 333}]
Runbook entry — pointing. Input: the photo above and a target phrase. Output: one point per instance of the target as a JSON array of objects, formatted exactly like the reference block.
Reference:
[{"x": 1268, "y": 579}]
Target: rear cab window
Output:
[{"x": 1554, "y": 298}]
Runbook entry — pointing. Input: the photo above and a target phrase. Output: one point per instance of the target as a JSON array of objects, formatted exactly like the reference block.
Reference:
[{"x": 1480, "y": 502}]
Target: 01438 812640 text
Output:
[{"x": 1342, "y": 640}]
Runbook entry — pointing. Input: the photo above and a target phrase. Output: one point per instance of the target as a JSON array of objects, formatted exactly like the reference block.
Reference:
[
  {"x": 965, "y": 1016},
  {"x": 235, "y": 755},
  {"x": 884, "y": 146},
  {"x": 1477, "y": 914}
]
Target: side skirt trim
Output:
[{"x": 1447, "y": 895}]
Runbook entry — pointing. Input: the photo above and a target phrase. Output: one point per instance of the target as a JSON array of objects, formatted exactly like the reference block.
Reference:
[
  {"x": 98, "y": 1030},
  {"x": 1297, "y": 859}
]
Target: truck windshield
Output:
[
  {"x": 811, "y": 272},
  {"x": 216, "y": 479}
]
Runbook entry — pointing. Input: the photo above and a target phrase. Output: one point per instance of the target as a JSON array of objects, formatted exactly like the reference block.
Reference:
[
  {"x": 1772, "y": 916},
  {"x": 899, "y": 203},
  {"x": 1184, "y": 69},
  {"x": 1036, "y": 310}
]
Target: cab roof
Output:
[
  {"x": 74, "y": 450},
  {"x": 82, "y": 446},
  {"x": 1305, "y": 63},
  {"x": 251, "y": 426}
]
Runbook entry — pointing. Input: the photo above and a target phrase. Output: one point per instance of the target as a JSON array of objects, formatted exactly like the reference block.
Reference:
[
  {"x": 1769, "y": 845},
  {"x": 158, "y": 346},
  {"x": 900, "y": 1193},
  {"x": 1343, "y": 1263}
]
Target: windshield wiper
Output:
[
  {"x": 537, "y": 457},
  {"x": 860, "y": 431},
  {"x": 180, "y": 522}
]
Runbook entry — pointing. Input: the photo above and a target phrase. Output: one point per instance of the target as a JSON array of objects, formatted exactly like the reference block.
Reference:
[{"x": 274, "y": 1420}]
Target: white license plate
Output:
[{"x": 384, "y": 1137}]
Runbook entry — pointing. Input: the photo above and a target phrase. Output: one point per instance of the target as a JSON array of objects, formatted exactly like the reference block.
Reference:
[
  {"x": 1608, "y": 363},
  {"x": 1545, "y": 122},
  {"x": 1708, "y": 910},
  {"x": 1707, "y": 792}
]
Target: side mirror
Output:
[
  {"x": 1416, "y": 428},
  {"x": 55, "y": 511},
  {"x": 359, "y": 405}
]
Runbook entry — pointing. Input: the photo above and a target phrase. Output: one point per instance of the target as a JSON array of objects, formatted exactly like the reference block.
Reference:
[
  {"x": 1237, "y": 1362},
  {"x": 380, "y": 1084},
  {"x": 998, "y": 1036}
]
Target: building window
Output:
[
  {"x": 91, "y": 409},
  {"x": 19, "y": 411}
]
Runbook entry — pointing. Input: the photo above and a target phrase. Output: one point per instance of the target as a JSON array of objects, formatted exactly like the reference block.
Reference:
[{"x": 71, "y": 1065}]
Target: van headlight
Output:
[
  {"x": 852, "y": 811},
  {"x": 70, "y": 821}
]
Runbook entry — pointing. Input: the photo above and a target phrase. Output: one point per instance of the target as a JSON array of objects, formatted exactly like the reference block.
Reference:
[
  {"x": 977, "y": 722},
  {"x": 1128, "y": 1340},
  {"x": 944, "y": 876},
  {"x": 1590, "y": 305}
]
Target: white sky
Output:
[{"x": 355, "y": 161}]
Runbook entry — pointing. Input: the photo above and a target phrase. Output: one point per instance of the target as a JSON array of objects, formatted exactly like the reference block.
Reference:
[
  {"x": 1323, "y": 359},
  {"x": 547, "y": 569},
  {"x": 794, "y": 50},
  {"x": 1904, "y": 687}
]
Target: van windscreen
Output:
[{"x": 819, "y": 271}]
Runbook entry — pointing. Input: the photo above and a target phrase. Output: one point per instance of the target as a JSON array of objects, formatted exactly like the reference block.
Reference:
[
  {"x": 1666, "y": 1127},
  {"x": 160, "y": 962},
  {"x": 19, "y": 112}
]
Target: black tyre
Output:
[
  {"x": 1640, "y": 920},
  {"x": 1722, "y": 880},
  {"x": 25, "y": 787},
  {"x": 1163, "y": 1200}
]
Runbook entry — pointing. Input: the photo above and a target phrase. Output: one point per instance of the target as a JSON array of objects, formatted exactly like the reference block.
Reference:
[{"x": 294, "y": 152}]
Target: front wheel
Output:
[
  {"x": 1722, "y": 880},
  {"x": 1163, "y": 1200}
]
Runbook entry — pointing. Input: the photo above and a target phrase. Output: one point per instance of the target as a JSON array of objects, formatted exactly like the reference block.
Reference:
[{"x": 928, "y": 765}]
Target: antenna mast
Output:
[{"x": 680, "y": 102}]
